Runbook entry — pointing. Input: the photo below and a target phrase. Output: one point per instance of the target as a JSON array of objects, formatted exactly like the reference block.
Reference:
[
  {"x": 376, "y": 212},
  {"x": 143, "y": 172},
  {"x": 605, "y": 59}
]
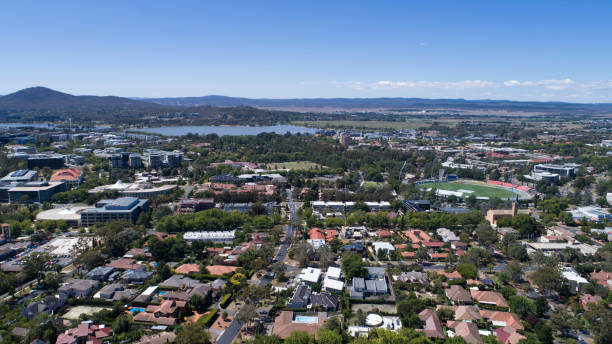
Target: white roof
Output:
[
  {"x": 67, "y": 213},
  {"x": 149, "y": 290},
  {"x": 334, "y": 272},
  {"x": 329, "y": 283},
  {"x": 383, "y": 245},
  {"x": 374, "y": 320},
  {"x": 316, "y": 243},
  {"x": 310, "y": 275},
  {"x": 572, "y": 275}
]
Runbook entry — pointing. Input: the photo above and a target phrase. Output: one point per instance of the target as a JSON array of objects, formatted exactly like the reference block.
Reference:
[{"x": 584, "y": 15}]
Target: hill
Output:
[
  {"x": 48, "y": 100},
  {"x": 408, "y": 104},
  {"x": 41, "y": 103}
]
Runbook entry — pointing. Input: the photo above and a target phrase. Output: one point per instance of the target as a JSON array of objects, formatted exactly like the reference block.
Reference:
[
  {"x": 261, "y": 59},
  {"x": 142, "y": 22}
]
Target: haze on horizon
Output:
[{"x": 519, "y": 50}]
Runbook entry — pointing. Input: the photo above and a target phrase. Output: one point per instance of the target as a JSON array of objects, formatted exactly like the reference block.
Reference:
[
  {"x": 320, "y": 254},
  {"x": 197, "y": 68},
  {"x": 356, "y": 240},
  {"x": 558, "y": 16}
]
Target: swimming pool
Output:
[
  {"x": 134, "y": 310},
  {"x": 305, "y": 319}
]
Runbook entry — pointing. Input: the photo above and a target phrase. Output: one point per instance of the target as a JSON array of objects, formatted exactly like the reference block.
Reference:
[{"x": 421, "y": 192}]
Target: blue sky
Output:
[{"x": 522, "y": 50}]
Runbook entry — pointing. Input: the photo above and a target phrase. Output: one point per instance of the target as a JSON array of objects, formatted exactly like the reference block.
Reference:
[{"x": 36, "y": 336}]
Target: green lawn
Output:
[{"x": 479, "y": 190}]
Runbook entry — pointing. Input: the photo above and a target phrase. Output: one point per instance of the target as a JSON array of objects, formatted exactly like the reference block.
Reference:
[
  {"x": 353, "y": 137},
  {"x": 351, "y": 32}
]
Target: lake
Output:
[
  {"x": 26, "y": 125},
  {"x": 223, "y": 130}
]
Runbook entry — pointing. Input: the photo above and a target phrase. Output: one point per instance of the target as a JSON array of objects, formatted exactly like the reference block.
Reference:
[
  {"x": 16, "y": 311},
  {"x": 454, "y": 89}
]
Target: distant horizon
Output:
[
  {"x": 278, "y": 98},
  {"x": 476, "y": 49}
]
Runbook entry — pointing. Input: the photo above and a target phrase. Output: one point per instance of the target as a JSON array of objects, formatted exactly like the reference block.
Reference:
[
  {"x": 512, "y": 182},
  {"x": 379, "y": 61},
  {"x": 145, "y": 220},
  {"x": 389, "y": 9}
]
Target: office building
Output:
[
  {"x": 53, "y": 161},
  {"x": 35, "y": 191},
  {"x": 20, "y": 176},
  {"x": 565, "y": 170},
  {"x": 124, "y": 208}
]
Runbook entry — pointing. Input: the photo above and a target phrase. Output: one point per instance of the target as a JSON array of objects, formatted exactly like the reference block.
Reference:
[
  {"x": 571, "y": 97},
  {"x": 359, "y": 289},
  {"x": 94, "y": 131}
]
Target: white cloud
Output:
[
  {"x": 355, "y": 85},
  {"x": 549, "y": 84},
  {"x": 387, "y": 84},
  {"x": 545, "y": 89}
]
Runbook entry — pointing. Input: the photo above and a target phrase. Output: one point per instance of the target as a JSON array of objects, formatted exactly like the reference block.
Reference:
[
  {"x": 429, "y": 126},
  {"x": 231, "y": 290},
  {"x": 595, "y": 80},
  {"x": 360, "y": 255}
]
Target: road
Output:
[
  {"x": 188, "y": 189},
  {"x": 230, "y": 333}
]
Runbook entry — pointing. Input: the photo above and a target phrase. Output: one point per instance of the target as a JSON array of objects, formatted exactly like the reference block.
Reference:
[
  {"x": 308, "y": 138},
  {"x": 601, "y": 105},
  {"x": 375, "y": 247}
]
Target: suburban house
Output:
[
  {"x": 136, "y": 276},
  {"x": 300, "y": 298},
  {"x": 84, "y": 333},
  {"x": 433, "y": 327},
  {"x": 489, "y": 298},
  {"x": 502, "y": 318},
  {"x": 324, "y": 301},
  {"x": 164, "y": 314},
  {"x": 101, "y": 273},
  {"x": 49, "y": 304},
  {"x": 285, "y": 324},
  {"x": 458, "y": 295},
  {"x": 465, "y": 330},
  {"x": 81, "y": 288}
]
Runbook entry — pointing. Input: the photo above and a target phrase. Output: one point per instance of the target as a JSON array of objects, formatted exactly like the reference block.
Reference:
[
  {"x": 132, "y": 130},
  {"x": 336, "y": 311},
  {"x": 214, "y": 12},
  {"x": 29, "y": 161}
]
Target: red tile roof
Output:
[
  {"x": 317, "y": 233},
  {"x": 489, "y": 297},
  {"x": 187, "y": 269},
  {"x": 220, "y": 269},
  {"x": 66, "y": 174},
  {"x": 502, "y": 318}
]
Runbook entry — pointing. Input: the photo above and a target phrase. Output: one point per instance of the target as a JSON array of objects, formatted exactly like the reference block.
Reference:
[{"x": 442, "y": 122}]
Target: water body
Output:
[
  {"x": 223, "y": 130},
  {"x": 26, "y": 125}
]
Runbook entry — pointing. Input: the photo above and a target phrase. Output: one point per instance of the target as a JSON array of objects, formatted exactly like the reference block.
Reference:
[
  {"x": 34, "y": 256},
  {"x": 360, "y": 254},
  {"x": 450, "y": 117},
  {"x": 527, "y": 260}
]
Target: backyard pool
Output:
[
  {"x": 305, "y": 319},
  {"x": 134, "y": 310}
]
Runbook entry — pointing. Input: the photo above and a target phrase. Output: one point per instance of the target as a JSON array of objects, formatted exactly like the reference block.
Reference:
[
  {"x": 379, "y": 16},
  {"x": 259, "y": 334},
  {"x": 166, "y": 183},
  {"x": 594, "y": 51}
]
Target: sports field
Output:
[
  {"x": 293, "y": 165},
  {"x": 478, "y": 190}
]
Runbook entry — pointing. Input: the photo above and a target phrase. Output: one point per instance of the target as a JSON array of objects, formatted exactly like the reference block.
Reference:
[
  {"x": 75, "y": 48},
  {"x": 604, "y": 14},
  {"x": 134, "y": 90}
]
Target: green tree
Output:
[
  {"x": 300, "y": 337},
  {"x": 353, "y": 266},
  {"x": 477, "y": 256},
  {"x": 547, "y": 278},
  {"x": 467, "y": 271},
  {"x": 34, "y": 264},
  {"x": 92, "y": 259},
  {"x": 487, "y": 237},
  {"x": 192, "y": 333},
  {"x": 122, "y": 324},
  {"x": 514, "y": 270},
  {"x": 328, "y": 337},
  {"x": 541, "y": 306},
  {"x": 544, "y": 333},
  {"x": 522, "y": 306}
]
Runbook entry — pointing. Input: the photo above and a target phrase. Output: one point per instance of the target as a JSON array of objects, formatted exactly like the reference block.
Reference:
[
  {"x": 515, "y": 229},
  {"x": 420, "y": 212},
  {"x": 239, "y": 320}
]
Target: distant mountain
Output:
[
  {"x": 386, "y": 103},
  {"x": 48, "y": 100},
  {"x": 41, "y": 103}
]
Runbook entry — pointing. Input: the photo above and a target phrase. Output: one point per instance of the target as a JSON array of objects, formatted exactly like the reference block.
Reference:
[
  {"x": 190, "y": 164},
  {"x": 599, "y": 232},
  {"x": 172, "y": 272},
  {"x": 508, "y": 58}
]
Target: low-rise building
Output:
[
  {"x": 71, "y": 176},
  {"x": 81, "y": 288}
]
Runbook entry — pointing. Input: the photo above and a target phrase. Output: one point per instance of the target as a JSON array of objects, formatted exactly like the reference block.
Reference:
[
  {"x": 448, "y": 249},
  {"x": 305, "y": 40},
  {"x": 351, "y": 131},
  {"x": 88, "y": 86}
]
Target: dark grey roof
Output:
[
  {"x": 358, "y": 283},
  {"x": 355, "y": 294},
  {"x": 381, "y": 285},
  {"x": 301, "y": 295},
  {"x": 376, "y": 271},
  {"x": 371, "y": 286},
  {"x": 179, "y": 281},
  {"x": 137, "y": 275},
  {"x": 101, "y": 272},
  {"x": 325, "y": 300}
]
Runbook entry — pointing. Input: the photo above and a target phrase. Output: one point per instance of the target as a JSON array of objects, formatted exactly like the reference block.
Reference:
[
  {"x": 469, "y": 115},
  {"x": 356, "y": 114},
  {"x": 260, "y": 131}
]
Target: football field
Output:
[{"x": 478, "y": 190}]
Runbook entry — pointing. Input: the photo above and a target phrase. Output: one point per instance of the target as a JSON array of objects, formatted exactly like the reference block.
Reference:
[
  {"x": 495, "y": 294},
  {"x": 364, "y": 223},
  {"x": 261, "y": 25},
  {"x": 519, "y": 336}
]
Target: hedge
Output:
[
  {"x": 376, "y": 301},
  {"x": 210, "y": 318},
  {"x": 225, "y": 300}
]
